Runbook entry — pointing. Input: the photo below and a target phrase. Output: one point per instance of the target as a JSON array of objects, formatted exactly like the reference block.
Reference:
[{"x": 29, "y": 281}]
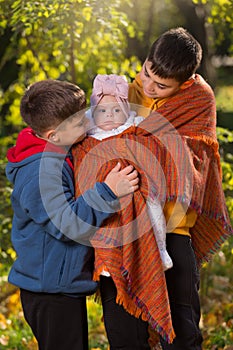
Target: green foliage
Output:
[
  {"x": 72, "y": 40},
  {"x": 225, "y": 138},
  {"x": 7, "y": 254},
  {"x": 19, "y": 336},
  {"x": 217, "y": 278},
  {"x": 224, "y": 98},
  {"x": 97, "y": 334},
  {"x": 220, "y": 14},
  {"x": 216, "y": 300}
]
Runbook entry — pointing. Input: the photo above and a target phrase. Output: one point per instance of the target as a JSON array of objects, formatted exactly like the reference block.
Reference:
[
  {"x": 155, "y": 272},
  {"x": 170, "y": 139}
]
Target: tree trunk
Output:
[{"x": 195, "y": 23}]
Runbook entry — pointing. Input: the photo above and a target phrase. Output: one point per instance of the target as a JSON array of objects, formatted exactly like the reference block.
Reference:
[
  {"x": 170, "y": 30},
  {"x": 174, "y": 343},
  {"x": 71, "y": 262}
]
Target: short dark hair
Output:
[
  {"x": 48, "y": 103},
  {"x": 175, "y": 54}
]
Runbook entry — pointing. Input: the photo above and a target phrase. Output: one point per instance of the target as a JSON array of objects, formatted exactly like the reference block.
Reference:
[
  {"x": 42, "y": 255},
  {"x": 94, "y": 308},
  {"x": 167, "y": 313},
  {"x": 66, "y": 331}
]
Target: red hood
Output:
[{"x": 28, "y": 144}]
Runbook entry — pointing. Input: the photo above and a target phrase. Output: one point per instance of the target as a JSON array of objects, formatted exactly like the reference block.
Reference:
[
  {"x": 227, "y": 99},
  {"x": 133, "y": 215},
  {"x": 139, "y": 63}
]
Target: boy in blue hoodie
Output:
[{"x": 50, "y": 229}]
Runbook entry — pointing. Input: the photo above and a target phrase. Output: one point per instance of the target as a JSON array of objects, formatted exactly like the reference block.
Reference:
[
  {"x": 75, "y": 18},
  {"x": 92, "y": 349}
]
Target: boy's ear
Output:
[
  {"x": 52, "y": 136},
  {"x": 187, "y": 84}
]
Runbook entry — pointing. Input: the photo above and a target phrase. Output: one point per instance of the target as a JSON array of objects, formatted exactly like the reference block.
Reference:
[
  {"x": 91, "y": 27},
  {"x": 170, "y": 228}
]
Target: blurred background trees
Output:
[{"x": 76, "y": 39}]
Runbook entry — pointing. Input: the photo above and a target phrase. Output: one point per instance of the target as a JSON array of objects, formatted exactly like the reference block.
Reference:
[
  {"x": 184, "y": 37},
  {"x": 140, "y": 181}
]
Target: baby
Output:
[
  {"x": 111, "y": 114},
  {"x": 110, "y": 108}
]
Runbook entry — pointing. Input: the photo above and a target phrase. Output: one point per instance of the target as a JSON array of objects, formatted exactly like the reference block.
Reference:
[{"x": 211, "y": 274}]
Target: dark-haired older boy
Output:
[{"x": 169, "y": 85}]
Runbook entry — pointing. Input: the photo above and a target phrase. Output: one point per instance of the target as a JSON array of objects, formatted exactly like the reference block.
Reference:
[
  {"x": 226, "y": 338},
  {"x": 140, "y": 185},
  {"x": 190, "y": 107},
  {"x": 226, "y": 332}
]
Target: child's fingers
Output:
[
  {"x": 133, "y": 175},
  {"x": 134, "y": 181},
  {"x": 127, "y": 170},
  {"x": 116, "y": 168},
  {"x": 133, "y": 188}
]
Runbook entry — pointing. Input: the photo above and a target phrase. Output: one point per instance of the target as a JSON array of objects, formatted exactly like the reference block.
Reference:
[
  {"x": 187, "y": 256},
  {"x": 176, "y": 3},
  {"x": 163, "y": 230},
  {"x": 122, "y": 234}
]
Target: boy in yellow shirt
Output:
[{"x": 167, "y": 73}]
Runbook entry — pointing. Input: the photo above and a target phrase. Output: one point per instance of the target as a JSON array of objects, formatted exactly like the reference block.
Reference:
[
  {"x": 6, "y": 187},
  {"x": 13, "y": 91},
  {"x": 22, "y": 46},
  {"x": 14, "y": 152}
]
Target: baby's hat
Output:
[{"x": 114, "y": 85}]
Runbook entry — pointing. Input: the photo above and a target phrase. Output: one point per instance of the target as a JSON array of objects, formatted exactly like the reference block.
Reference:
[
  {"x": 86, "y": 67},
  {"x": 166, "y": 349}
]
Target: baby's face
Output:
[{"x": 108, "y": 114}]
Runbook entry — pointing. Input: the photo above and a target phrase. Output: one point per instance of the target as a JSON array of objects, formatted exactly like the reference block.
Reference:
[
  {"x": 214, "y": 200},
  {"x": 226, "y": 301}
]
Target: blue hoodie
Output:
[{"x": 50, "y": 229}]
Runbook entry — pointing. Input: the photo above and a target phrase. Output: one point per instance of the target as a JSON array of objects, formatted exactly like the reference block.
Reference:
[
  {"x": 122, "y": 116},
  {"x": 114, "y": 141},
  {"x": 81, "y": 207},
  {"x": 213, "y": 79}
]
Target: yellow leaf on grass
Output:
[{"x": 211, "y": 320}]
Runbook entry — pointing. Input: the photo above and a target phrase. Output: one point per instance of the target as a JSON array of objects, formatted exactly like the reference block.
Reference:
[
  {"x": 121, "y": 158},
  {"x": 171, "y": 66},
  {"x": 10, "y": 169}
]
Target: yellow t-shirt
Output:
[{"x": 179, "y": 219}]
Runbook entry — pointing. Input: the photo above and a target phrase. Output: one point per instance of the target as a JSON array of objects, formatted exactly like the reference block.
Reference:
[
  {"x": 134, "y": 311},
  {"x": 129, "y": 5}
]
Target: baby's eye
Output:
[
  {"x": 102, "y": 110},
  {"x": 117, "y": 110}
]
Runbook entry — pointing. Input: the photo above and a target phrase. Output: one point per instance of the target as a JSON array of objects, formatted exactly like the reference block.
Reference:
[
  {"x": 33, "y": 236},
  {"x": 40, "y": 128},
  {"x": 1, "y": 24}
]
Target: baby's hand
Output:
[{"x": 122, "y": 182}]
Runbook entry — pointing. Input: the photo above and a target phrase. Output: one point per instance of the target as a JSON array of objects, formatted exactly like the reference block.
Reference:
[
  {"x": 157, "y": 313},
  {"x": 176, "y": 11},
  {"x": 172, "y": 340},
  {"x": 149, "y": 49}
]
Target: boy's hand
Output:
[{"x": 122, "y": 182}]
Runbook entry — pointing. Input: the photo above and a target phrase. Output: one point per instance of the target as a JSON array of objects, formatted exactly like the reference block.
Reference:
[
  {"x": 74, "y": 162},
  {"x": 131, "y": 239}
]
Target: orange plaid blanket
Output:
[{"x": 175, "y": 151}]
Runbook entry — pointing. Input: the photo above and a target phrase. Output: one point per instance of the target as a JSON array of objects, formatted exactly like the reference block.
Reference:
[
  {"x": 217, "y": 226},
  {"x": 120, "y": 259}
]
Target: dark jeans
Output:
[
  {"x": 59, "y": 322},
  {"x": 124, "y": 331},
  {"x": 183, "y": 284}
]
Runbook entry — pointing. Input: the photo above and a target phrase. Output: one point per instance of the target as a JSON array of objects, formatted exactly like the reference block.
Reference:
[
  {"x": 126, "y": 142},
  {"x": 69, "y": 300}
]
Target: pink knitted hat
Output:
[{"x": 114, "y": 85}]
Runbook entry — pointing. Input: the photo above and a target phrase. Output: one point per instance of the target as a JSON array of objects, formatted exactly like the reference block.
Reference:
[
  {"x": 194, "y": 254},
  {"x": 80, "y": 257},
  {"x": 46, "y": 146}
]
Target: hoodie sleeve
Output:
[{"x": 52, "y": 204}]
